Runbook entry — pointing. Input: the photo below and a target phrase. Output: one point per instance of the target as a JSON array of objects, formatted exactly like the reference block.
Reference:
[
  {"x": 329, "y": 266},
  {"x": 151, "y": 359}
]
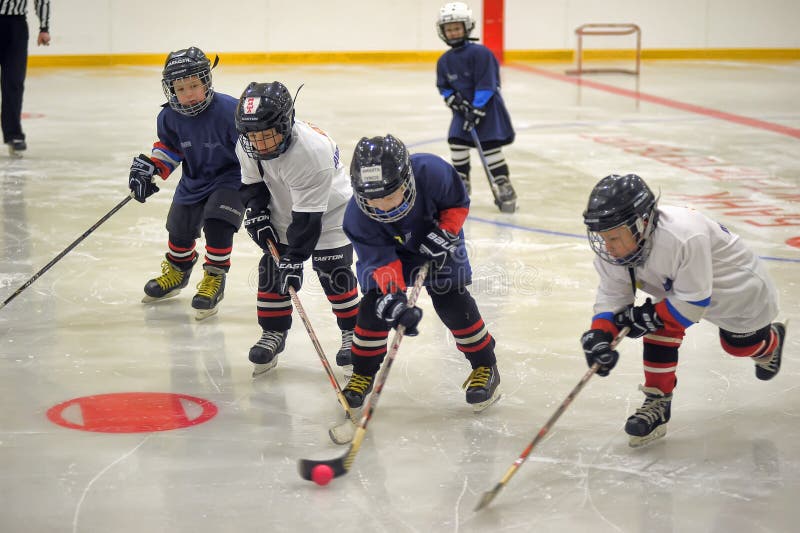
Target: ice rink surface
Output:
[{"x": 723, "y": 137}]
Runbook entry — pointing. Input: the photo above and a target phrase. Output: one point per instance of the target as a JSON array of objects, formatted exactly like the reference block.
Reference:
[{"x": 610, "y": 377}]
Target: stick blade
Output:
[
  {"x": 488, "y": 496},
  {"x": 306, "y": 466}
]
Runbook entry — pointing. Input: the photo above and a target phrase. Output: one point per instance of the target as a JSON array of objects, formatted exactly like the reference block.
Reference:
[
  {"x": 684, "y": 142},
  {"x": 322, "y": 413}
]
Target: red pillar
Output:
[{"x": 493, "y": 14}]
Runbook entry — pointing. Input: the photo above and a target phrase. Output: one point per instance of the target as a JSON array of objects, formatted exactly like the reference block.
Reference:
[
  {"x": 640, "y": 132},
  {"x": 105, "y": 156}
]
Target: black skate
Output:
[
  {"x": 766, "y": 370},
  {"x": 264, "y": 353},
  {"x": 210, "y": 292},
  {"x": 357, "y": 389},
  {"x": 650, "y": 420},
  {"x": 505, "y": 197},
  {"x": 344, "y": 356},
  {"x": 467, "y": 184},
  {"x": 16, "y": 147},
  {"x": 481, "y": 386},
  {"x": 168, "y": 284}
]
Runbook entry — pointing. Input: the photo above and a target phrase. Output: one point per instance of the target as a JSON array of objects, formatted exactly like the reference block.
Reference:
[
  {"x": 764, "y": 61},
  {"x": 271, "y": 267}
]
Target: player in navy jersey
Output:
[
  {"x": 196, "y": 130},
  {"x": 468, "y": 77},
  {"x": 406, "y": 211}
]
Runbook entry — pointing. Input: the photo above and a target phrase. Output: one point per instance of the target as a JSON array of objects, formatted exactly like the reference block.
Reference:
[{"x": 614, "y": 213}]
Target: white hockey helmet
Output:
[{"x": 455, "y": 12}]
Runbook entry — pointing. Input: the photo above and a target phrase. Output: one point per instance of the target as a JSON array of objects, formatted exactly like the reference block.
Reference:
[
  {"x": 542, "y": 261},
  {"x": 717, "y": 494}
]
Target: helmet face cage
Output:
[
  {"x": 455, "y": 12},
  {"x": 380, "y": 167},
  {"x": 622, "y": 201},
  {"x": 264, "y": 107},
  {"x": 183, "y": 64}
]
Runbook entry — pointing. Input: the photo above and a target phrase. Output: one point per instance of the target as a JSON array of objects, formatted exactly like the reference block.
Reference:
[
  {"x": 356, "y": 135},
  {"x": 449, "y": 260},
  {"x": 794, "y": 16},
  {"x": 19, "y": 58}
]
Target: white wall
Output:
[{"x": 155, "y": 26}]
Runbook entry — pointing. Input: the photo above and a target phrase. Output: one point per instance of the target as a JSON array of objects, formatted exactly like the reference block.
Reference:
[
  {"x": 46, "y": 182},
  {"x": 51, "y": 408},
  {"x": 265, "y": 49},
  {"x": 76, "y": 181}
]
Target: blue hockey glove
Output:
[
  {"x": 642, "y": 319},
  {"x": 597, "y": 348},
  {"x": 290, "y": 274},
  {"x": 394, "y": 310},
  {"x": 439, "y": 245},
  {"x": 259, "y": 227},
  {"x": 140, "y": 179},
  {"x": 472, "y": 117}
]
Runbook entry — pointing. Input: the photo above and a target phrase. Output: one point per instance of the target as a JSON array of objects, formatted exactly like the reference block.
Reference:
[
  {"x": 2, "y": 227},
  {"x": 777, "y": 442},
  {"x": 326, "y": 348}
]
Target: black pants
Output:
[{"x": 13, "y": 65}]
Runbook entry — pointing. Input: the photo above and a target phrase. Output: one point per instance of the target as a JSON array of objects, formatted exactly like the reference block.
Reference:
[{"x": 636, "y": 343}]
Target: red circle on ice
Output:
[
  {"x": 794, "y": 241},
  {"x": 132, "y": 412}
]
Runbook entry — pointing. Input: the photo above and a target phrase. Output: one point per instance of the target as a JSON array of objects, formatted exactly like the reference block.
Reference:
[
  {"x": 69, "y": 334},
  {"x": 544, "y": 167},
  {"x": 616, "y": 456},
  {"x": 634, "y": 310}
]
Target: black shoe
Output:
[
  {"x": 649, "y": 422},
  {"x": 769, "y": 369},
  {"x": 481, "y": 386},
  {"x": 344, "y": 356},
  {"x": 17, "y": 146},
  {"x": 357, "y": 389}
]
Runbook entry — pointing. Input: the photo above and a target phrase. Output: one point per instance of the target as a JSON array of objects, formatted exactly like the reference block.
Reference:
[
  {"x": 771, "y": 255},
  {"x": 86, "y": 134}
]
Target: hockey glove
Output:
[
  {"x": 597, "y": 348},
  {"x": 472, "y": 117},
  {"x": 290, "y": 274},
  {"x": 641, "y": 319},
  {"x": 455, "y": 102},
  {"x": 394, "y": 310},
  {"x": 141, "y": 179},
  {"x": 258, "y": 226},
  {"x": 439, "y": 245}
]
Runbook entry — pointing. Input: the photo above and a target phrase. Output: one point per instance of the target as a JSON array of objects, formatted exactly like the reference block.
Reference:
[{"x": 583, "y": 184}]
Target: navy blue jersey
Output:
[
  {"x": 204, "y": 145},
  {"x": 441, "y": 200},
  {"x": 470, "y": 69}
]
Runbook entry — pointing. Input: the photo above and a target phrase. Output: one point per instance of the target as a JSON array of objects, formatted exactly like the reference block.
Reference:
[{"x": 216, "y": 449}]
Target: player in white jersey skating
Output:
[
  {"x": 295, "y": 190},
  {"x": 695, "y": 269}
]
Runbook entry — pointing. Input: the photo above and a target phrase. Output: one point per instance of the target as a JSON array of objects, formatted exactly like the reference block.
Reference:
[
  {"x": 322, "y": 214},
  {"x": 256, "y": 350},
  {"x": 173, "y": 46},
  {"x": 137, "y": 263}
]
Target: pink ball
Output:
[{"x": 322, "y": 474}]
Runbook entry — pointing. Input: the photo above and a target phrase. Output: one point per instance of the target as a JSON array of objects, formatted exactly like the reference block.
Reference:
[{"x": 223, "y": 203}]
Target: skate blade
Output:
[
  {"x": 149, "y": 299},
  {"x": 260, "y": 370},
  {"x": 638, "y": 442},
  {"x": 202, "y": 314},
  {"x": 507, "y": 207},
  {"x": 482, "y": 406}
]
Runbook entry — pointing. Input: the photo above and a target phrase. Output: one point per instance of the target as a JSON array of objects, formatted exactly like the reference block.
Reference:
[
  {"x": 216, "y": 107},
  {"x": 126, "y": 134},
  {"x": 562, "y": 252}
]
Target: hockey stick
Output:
[
  {"x": 506, "y": 206},
  {"x": 341, "y": 465},
  {"x": 67, "y": 250},
  {"x": 317, "y": 346},
  {"x": 490, "y": 495}
]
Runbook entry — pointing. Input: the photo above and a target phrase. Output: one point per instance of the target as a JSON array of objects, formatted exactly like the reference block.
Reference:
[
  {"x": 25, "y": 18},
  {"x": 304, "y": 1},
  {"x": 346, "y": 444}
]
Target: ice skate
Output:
[
  {"x": 482, "y": 387},
  {"x": 16, "y": 147},
  {"x": 357, "y": 389},
  {"x": 650, "y": 420},
  {"x": 344, "y": 358},
  {"x": 264, "y": 353},
  {"x": 168, "y": 284},
  {"x": 467, "y": 184},
  {"x": 505, "y": 197},
  {"x": 768, "y": 366},
  {"x": 210, "y": 292}
]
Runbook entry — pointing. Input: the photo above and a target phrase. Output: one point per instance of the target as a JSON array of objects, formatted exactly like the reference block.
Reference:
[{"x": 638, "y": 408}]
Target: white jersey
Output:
[
  {"x": 694, "y": 259},
  {"x": 308, "y": 178}
]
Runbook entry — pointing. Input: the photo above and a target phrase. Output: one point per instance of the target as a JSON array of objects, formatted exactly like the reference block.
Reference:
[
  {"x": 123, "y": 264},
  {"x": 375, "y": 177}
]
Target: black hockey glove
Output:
[
  {"x": 641, "y": 319},
  {"x": 455, "y": 102},
  {"x": 258, "y": 226},
  {"x": 597, "y": 348},
  {"x": 141, "y": 179},
  {"x": 472, "y": 117},
  {"x": 439, "y": 245},
  {"x": 394, "y": 310},
  {"x": 290, "y": 274}
]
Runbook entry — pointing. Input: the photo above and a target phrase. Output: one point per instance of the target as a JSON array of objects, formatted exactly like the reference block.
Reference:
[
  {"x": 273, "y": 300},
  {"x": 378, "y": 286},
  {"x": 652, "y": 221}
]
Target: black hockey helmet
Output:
[
  {"x": 264, "y": 106},
  {"x": 621, "y": 201},
  {"x": 186, "y": 63},
  {"x": 455, "y": 12},
  {"x": 380, "y": 167}
]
